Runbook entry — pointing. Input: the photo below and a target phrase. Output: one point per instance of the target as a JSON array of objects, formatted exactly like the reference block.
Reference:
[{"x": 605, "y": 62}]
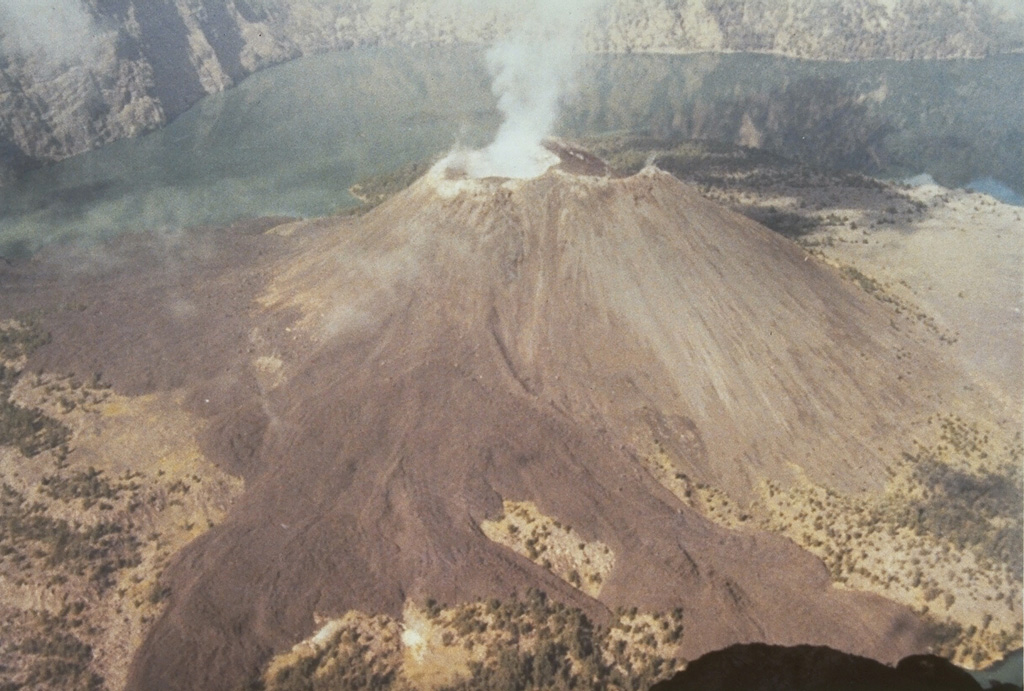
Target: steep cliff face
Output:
[{"x": 148, "y": 61}]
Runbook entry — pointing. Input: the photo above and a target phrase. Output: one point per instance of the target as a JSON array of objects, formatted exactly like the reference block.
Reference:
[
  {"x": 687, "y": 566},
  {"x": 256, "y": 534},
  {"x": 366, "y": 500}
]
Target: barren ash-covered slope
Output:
[
  {"x": 474, "y": 341},
  {"x": 405, "y": 392}
]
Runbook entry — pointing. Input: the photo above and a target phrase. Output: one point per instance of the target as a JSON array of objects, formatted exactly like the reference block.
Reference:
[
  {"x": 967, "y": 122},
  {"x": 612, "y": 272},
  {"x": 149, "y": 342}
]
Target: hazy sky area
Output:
[
  {"x": 56, "y": 32},
  {"x": 1015, "y": 6}
]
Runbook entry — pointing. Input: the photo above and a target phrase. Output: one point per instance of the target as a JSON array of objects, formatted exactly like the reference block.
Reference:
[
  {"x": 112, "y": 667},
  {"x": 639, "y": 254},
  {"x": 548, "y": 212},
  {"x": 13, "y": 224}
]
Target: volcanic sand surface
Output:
[{"x": 964, "y": 262}]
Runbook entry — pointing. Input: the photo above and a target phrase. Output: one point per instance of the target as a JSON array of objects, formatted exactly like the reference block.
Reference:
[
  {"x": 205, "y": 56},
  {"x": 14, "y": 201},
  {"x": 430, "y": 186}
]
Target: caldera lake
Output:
[{"x": 291, "y": 140}]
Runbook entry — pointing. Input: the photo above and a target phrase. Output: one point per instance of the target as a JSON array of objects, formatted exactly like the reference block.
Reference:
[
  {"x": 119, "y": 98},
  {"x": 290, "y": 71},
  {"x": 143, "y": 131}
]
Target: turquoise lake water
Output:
[{"x": 291, "y": 140}]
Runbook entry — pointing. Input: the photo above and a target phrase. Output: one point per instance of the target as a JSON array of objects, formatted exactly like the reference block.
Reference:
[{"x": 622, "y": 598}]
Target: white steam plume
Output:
[
  {"x": 54, "y": 33},
  {"x": 532, "y": 67}
]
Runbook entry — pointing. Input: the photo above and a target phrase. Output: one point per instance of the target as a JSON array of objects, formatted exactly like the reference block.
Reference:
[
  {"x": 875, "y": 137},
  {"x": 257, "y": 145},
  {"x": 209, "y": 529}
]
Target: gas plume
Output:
[{"x": 532, "y": 67}]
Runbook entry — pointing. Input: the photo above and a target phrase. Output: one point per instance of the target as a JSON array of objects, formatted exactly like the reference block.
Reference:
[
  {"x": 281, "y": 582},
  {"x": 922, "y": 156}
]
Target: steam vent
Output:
[{"x": 638, "y": 375}]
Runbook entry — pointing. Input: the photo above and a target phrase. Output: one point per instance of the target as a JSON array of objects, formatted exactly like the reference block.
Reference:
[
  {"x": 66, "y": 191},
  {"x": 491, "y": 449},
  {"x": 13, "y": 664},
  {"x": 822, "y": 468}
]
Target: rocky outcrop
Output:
[
  {"x": 822, "y": 29},
  {"x": 146, "y": 62}
]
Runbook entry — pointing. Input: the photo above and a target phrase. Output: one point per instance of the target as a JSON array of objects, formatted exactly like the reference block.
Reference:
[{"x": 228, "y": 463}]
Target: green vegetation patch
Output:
[
  {"x": 872, "y": 286},
  {"x": 29, "y": 537},
  {"x": 31, "y": 431},
  {"x": 946, "y": 538},
  {"x": 56, "y": 658},
  {"x": 785, "y": 223},
  {"x": 867, "y": 283},
  {"x": 627, "y": 153},
  {"x": 21, "y": 338},
  {"x": 976, "y": 510},
  {"x": 753, "y": 181},
  {"x": 532, "y": 642},
  {"x": 89, "y": 485},
  {"x": 375, "y": 189},
  {"x": 28, "y": 429}
]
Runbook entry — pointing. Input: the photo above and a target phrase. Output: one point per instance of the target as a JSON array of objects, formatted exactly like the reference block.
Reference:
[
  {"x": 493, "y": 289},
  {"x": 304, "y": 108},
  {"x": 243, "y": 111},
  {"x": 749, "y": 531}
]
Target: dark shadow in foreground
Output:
[{"x": 760, "y": 667}]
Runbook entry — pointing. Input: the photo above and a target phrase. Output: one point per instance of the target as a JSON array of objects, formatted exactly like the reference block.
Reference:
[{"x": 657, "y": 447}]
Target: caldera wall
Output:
[{"x": 147, "y": 62}]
